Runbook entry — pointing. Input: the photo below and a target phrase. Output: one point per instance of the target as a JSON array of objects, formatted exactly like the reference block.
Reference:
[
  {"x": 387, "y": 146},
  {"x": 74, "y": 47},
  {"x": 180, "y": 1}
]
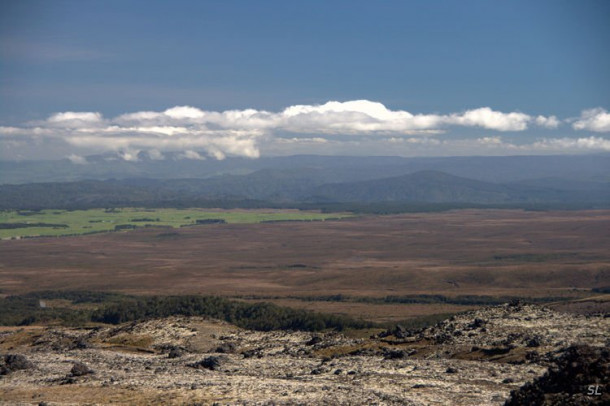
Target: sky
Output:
[{"x": 211, "y": 79}]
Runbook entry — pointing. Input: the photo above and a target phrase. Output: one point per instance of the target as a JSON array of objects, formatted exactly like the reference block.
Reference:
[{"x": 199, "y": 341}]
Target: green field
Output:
[{"x": 17, "y": 224}]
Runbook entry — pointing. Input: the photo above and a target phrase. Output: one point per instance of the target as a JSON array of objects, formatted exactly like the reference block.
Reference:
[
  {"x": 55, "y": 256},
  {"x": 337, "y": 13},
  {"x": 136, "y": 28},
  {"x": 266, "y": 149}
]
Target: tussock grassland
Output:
[{"x": 380, "y": 268}]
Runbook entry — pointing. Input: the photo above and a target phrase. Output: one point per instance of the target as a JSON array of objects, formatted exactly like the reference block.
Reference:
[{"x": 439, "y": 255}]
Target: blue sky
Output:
[{"x": 441, "y": 58}]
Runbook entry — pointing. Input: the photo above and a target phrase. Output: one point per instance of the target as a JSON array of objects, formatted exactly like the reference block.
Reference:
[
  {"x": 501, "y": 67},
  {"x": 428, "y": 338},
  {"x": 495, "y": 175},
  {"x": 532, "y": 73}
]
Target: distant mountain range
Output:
[
  {"x": 328, "y": 168},
  {"x": 314, "y": 181}
]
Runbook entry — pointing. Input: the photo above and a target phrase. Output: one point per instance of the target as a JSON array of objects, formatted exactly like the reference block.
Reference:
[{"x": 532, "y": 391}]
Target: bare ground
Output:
[{"x": 476, "y": 358}]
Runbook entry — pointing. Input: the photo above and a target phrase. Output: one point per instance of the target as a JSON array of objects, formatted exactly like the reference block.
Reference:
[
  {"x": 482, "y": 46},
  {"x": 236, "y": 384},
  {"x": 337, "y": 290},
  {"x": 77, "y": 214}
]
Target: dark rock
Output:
[
  {"x": 508, "y": 380},
  {"x": 251, "y": 354},
  {"x": 400, "y": 332},
  {"x": 451, "y": 370},
  {"x": 532, "y": 356},
  {"x": 516, "y": 304},
  {"x": 384, "y": 334},
  {"x": 212, "y": 363},
  {"x": 338, "y": 372},
  {"x": 317, "y": 371},
  {"x": 511, "y": 338},
  {"x": 477, "y": 323},
  {"x": 314, "y": 340},
  {"x": 17, "y": 361},
  {"x": 82, "y": 344},
  {"x": 395, "y": 354},
  {"x": 578, "y": 374},
  {"x": 68, "y": 380},
  {"x": 175, "y": 352},
  {"x": 533, "y": 341},
  {"x": 226, "y": 348},
  {"x": 443, "y": 338},
  {"x": 80, "y": 369}
]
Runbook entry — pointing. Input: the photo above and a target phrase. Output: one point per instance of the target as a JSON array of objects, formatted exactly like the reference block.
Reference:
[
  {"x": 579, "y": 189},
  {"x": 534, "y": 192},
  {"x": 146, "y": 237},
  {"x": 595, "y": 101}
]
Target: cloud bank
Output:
[{"x": 193, "y": 133}]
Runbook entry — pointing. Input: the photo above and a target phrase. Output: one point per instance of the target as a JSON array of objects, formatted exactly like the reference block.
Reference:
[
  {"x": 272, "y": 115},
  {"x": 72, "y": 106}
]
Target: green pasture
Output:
[{"x": 16, "y": 224}]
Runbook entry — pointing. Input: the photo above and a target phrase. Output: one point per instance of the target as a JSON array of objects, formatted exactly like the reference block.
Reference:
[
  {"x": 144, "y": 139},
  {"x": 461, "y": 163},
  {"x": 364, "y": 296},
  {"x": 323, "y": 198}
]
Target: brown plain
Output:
[{"x": 465, "y": 252}]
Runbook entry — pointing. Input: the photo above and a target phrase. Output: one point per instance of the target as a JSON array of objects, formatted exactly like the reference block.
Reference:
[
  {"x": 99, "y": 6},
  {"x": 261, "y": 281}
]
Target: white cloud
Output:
[
  {"x": 597, "y": 120},
  {"x": 547, "y": 122},
  {"x": 357, "y": 117},
  {"x": 573, "y": 144},
  {"x": 75, "y": 116},
  {"x": 194, "y": 133},
  {"x": 71, "y": 119},
  {"x": 363, "y": 116},
  {"x": 492, "y": 120}
]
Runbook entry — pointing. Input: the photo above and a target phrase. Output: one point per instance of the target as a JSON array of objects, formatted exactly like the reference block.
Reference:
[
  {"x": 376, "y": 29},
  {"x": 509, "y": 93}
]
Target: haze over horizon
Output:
[{"x": 199, "y": 80}]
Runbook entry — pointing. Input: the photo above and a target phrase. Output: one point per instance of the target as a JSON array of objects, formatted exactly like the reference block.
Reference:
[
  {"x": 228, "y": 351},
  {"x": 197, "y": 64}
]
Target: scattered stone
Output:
[
  {"x": 80, "y": 369},
  {"x": 288, "y": 366}
]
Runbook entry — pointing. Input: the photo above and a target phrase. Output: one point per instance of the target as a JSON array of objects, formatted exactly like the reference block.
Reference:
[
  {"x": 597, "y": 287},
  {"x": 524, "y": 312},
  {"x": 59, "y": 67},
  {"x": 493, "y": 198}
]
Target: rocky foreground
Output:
[{"x": 476, "y": 358}]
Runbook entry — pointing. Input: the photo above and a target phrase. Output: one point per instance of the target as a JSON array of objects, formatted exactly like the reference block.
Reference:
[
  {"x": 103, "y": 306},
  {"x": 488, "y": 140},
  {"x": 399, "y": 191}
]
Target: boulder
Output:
[
  {"x": 212, "y": 363},
  {"x": 15, "y": 362},
  {"x": 80, "y": 369}
]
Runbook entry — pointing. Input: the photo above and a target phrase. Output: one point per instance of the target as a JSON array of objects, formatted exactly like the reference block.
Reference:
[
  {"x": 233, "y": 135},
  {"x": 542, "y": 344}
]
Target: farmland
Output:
[{"x": 54, "y": 223}]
